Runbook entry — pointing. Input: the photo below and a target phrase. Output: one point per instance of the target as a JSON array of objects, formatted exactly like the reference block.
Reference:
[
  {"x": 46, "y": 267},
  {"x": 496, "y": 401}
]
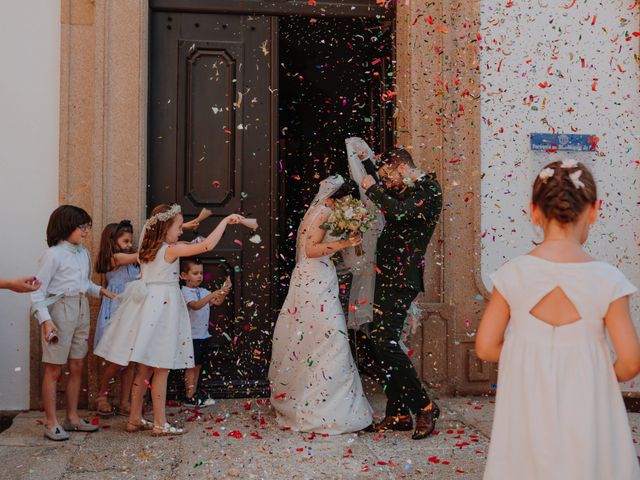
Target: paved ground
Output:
[{"x": 239, "y": 439}]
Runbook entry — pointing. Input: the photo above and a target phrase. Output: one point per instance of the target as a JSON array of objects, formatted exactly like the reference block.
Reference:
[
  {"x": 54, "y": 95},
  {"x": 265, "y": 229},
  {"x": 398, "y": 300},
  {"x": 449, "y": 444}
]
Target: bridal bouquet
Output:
[{"x": 350, "y": 217}]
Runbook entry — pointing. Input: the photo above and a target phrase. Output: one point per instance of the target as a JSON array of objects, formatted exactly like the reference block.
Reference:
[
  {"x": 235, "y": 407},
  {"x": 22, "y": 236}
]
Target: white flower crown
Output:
[{"x": 164, "y": 216}]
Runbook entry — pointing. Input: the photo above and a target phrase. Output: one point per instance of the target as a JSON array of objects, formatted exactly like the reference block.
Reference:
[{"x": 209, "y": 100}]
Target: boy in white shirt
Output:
[
  {"x": 60, "y": 305},
  {"x": 198, "y": 302}
]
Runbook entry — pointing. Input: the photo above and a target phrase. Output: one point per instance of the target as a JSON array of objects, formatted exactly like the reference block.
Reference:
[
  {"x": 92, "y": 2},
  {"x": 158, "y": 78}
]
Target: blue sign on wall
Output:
[{"x": 563, "y": 142}]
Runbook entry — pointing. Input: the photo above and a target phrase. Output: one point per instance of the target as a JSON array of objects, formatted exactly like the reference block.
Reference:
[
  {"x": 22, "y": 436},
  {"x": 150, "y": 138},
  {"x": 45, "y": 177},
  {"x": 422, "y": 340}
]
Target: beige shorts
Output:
[{"x": 71, "y": 316}]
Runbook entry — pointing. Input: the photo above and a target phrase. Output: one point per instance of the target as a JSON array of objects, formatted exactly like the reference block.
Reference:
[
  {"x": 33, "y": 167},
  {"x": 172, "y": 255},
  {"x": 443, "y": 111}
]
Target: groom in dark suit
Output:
[{"x": 411, "y": 201}]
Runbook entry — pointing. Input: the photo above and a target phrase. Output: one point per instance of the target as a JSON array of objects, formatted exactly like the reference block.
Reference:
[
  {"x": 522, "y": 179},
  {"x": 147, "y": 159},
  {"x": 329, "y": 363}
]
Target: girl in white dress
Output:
[
  {"x": 315, "y": 385},
  {"x": 559, "y": 412},
  {"x": 151, "y": 326}
]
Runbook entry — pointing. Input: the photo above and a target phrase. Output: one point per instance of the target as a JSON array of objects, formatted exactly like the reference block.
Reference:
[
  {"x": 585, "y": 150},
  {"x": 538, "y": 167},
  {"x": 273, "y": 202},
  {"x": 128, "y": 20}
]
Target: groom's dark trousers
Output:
[
  {"x": 400, "y": 380},
  {"x": 410, "y": 220}
]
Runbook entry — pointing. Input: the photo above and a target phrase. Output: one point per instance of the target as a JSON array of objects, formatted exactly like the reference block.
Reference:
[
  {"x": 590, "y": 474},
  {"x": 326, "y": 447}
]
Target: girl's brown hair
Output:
[
  {"x": 154, "y": 235},
  {"x": 559, "y": 197},
  {"x": 109, "y": 244}
]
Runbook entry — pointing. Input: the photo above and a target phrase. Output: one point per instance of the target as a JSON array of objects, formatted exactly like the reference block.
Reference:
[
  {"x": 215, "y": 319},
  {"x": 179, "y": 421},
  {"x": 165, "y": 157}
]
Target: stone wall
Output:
[
  {"x": 439, "y": 120},
  {"x": 102, "y": 124}
]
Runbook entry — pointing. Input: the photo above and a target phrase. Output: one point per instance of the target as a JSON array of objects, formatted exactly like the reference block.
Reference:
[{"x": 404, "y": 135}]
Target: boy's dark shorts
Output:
[{"x": 201, "y": 351}]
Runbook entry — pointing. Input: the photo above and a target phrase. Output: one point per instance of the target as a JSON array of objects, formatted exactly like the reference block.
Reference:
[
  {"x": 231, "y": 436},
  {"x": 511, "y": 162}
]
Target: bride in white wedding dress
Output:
[{"x": 315, "y": 385}]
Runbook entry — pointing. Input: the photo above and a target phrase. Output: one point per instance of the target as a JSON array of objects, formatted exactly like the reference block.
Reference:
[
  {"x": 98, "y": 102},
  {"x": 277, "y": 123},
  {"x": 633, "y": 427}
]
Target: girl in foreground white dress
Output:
[
  {"x": 559, "y": 412},
  {"x": 151, "y": 326}
]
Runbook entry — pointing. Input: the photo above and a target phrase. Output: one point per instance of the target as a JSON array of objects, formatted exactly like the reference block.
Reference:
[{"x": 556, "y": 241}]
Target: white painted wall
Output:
[
  {"x": 29, "y": 132},
  {"x": 584, "y": 57}
]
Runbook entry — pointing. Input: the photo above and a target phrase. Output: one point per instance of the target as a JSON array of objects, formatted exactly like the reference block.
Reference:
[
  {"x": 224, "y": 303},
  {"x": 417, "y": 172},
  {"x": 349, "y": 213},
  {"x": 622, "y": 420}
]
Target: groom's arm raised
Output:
[
  {"x": 363, "y": 154},
  {"x": 370, "y": 168},
  {"x": 427, "y": 202}
]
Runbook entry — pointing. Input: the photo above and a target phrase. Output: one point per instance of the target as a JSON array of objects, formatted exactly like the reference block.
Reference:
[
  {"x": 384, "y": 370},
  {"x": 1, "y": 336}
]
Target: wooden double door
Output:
[{"x": 213, "y": 142}]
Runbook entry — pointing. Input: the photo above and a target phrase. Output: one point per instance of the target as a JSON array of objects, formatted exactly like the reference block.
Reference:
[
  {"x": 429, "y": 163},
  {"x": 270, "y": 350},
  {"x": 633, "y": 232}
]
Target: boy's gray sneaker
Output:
[
  {"x": 57, "y": 433},
  {"x": 83, "y": 426}
]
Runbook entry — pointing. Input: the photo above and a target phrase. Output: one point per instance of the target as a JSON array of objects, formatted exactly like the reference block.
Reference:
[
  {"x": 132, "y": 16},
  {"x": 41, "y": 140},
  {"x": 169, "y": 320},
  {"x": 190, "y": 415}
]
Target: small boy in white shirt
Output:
[{"x": 198, "y": 302}]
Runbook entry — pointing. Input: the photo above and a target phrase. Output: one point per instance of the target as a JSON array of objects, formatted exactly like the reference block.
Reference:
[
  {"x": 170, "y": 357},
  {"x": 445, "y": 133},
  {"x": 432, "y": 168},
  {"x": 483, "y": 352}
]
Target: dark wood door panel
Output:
[{"x": 210, "y": 76}]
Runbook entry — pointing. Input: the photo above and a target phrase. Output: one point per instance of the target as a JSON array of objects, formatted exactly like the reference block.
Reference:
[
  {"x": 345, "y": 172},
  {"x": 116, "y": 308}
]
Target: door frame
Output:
[{"x": 353, "y": 8}]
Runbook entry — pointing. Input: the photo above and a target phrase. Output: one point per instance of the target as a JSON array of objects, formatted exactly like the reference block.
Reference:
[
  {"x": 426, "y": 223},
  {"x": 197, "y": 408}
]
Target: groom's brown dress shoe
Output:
[
  {"x": 426, "y": 421},
  {"x": 401, "y": 423}
]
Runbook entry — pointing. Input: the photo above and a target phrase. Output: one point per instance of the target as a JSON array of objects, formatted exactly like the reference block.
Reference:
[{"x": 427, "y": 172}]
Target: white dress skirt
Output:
[
  {"x": 559, "y": 411},
  {"x": 315, "y": 385},
  {"x": 151, "y": 326}
]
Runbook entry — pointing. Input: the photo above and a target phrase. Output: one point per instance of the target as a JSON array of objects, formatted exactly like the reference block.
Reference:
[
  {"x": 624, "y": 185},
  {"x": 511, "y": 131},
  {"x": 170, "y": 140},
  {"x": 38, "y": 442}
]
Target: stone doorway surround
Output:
[
  {"x": 103, "y": 104},
  {"x": 103, "y": 123}
]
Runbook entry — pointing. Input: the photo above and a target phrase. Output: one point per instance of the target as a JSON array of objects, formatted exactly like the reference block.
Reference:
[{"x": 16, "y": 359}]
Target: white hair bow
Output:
[
  {"x": 575, "y": 179},
  {"x": 546, "y": 174},
  {"x": 569, "y": 163}
]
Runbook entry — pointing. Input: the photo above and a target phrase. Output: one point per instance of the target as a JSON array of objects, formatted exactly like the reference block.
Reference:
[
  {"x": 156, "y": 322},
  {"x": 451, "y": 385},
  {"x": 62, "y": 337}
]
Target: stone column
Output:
[
  {"x": 102, "y": 129},
  {"x": 439, "y": 122}
]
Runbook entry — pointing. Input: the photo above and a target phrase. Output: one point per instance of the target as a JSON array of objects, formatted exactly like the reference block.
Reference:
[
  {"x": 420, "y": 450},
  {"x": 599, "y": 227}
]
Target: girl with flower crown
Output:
[
  {"x": 559, "y": 413},
  {"x": 118, "y": 262},
  {"x": 151, "y": 326}
]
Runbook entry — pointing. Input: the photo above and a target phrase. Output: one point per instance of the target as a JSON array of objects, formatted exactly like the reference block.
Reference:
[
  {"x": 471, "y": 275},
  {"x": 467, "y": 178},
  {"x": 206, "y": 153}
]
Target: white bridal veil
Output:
[{"x": 362, "y": 267}]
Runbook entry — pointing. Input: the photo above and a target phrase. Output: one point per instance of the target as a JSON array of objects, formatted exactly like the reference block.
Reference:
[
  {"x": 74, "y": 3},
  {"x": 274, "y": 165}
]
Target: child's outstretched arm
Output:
[
  {"x": 190, "y": 249},
  {"x": 492, "y": 327},
  {"x": 624, "y": 339},
  {"x": 211, "y": 298},
  {"x": 195, "y": 223},
  {"x": 217, "y": 297},
  {"x": 21, "y": 284},
  {"x": 120, "y": 259}
]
